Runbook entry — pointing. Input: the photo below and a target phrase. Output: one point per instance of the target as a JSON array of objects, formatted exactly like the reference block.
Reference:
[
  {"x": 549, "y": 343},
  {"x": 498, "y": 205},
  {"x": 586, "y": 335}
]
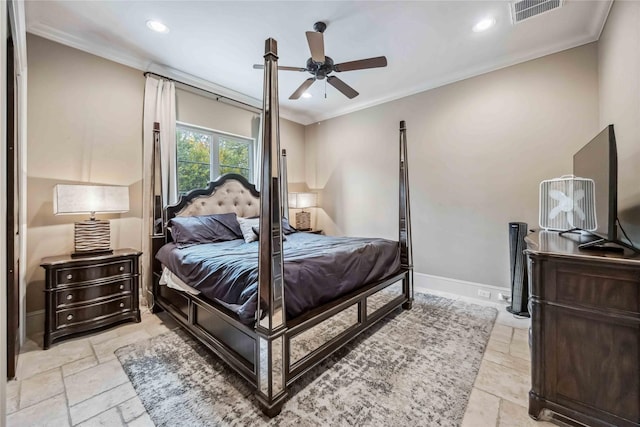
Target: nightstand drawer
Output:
[
  {"x": 66, "y": 276},
  {"x": 93, "y": 312},
  {"x": 83, "y": 294},
  {"x": 93, "y": 293}
]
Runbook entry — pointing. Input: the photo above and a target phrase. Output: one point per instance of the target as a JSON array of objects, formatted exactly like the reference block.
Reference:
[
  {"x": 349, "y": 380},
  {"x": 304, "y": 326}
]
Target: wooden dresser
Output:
[
  {"x": 89, "y": 293},
  {"x": 585, "y": 332}
]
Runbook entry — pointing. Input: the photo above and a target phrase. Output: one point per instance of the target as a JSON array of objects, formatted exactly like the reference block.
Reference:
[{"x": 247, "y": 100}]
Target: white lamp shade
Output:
[
  {"x": 78, "y": 199},
  {"x": 303, "y": 200}
]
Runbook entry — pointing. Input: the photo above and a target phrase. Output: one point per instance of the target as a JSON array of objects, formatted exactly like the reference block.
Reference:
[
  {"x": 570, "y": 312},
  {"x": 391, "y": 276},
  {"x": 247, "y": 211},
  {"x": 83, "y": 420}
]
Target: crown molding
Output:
[
  {"x": 306, "y": 118},
  {"x": 463, "y": 75},
  {"x": 600, "y": 18},
  {"x": 48, "y": 32},
  {"x": 103, "y": 51}
]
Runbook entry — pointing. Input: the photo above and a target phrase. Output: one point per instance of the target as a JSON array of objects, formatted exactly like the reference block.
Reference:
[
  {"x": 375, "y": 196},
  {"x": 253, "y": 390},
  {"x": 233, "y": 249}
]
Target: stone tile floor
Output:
[
  {"x": 500, "y": 394},
  {"x": 80, "y": 382}
]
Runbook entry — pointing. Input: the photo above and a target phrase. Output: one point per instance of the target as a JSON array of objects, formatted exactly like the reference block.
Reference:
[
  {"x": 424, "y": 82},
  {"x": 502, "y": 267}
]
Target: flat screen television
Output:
[{"x": 598, "y": 160}]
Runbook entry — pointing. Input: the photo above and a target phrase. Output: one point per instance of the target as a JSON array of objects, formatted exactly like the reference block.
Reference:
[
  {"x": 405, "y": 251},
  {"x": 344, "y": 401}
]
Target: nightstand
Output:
[
  {"x": 312, "y": 231},
  {"x": 89, "y": 293}
]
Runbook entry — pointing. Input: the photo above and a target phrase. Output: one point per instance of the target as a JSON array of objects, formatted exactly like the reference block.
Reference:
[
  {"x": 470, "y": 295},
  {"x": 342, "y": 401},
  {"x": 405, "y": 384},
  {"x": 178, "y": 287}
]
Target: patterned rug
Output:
[{"x": 415, "y": 368}]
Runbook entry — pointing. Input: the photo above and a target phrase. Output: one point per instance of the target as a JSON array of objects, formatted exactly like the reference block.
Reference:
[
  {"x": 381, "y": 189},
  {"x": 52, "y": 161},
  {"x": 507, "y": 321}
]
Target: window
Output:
[{"x": 204, "y": 154}]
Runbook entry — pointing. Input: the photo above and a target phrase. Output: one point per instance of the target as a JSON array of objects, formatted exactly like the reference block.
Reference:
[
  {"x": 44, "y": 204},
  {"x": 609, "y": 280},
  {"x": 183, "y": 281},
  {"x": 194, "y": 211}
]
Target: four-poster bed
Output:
[{"x": 274, "y": 349}]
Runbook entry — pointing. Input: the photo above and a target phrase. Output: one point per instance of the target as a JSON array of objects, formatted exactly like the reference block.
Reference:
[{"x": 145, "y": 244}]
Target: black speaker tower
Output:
[{"x": 519, "y": 277}]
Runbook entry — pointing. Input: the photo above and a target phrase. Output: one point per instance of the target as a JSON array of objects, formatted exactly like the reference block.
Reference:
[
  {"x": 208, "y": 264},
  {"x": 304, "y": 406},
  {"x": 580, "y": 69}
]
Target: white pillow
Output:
[
  {"x": 246, "y": 226},
  {"x": 250, "y": 228}
]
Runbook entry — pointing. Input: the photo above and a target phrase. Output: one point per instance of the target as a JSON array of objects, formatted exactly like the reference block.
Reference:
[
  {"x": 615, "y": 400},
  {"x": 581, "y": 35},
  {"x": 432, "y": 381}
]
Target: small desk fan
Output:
[{"x": 568, "y": 203}]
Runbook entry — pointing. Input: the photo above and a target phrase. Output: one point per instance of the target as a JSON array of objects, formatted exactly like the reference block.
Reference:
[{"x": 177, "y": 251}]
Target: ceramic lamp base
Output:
[
  {"x": 92, "y": 237},
  {"x": 303, "y": 221}
]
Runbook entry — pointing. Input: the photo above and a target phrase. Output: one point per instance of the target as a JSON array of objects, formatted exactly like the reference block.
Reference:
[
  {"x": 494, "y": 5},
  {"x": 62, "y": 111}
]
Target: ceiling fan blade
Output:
[
  {"x": 280, "y": 67},
  {"x": 304, "y": 86},
  {"x": 346, "y": 90},
  {"x": 316, "y": 45},
  {"x": 379, "y": 61}
]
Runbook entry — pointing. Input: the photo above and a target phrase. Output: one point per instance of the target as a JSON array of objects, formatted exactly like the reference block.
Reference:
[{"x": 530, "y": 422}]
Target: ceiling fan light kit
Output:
[{"x": 321, "y": 66}]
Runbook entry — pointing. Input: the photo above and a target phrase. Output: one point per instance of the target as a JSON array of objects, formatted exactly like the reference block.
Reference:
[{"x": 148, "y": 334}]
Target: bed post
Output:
[
  {"x": 406, "y": 251},
  {"x": 284, "y": 185},
  {"x": 270, "y": 312}
]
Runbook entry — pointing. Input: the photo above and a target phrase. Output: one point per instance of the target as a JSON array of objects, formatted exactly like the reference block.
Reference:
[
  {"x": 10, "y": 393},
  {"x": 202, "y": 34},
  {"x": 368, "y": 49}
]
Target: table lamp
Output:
[
  {"x": 303, "y": 201},
  {"x": 92, "y": 236}
]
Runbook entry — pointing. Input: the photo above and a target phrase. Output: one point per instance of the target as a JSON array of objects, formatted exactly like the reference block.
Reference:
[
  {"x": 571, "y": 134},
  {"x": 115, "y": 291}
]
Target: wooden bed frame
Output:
[{"x": 268, "y": 354}]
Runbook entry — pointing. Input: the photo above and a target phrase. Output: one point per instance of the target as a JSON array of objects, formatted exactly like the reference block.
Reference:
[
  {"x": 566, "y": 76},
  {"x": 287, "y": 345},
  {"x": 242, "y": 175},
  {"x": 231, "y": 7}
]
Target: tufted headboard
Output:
[{"x": 230, "y": 193}]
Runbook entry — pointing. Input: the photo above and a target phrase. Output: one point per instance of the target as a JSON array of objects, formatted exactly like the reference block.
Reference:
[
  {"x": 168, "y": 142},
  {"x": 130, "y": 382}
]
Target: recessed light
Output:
[
  {"x": 157, "y": 26},
  {"x": 306, "y": 95},
  {"x": 484, "y": 25}
]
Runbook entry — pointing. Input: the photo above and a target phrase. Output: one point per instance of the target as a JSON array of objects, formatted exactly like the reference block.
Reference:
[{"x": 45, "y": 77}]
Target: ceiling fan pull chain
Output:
[{"x": 325, "y": 88}]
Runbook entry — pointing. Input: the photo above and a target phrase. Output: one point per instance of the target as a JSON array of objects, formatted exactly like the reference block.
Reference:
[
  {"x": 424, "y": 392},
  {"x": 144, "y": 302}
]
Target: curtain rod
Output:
[{"x": 220, "y": 98}]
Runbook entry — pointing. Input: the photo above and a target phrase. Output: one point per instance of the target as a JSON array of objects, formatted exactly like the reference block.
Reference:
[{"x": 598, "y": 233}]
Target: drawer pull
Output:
[
  {"x": 70, "y": 316},
  {"x": 121, "y": 305},
  {"x": 121, "y": 287},
  {"x": 121, "y": 268},
  {"x": 69, "y": 297},
  {"x": 69, "y": 276}
]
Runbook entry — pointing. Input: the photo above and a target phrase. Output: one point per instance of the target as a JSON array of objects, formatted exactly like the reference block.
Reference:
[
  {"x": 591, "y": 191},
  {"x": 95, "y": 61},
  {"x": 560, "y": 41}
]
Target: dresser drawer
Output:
[
  {"x": 595, "y": 286},
  {"x": 92, "y": 293},
  {"x": 72, "y": 316},
  {"x": 66, "y": 276}
]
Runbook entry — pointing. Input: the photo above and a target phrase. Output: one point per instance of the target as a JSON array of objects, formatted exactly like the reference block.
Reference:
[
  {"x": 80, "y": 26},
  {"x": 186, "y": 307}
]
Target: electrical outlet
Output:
[{"x": 484, "y": 294}]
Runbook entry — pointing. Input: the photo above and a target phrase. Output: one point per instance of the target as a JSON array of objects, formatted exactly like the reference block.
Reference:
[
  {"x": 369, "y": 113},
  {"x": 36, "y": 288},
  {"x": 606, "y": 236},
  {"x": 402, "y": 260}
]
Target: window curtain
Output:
[{"x": 159, "y": 107}]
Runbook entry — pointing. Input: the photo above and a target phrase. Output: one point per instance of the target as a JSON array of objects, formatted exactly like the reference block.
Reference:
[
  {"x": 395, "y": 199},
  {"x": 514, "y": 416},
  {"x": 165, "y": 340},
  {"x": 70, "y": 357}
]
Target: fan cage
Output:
[{"x": 577, "y": 192}]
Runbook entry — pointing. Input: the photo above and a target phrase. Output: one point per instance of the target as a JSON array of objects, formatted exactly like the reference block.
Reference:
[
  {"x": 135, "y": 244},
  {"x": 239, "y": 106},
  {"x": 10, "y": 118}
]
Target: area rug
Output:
[{"x": 415, "y": 368}]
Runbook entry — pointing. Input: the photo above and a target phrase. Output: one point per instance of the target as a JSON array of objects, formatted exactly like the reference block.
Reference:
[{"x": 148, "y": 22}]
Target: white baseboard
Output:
[
  {"x": 459, "y": 289},
  {"x": 34, "y": 322}
]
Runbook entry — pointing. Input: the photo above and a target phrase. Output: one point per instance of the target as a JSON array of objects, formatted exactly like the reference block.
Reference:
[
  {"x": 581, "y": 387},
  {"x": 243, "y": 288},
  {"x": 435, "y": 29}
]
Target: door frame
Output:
[
  {"x": 3, "y": 209},
  {"x": 12, "y": 236}
]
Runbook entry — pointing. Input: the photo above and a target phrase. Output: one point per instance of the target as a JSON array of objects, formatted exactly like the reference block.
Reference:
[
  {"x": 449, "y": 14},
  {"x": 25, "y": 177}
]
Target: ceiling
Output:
[{"x": 213, "y": 44}]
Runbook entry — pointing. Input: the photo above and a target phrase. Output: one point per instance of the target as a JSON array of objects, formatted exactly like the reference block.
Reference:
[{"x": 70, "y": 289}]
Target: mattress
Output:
[{"x": 317, "y": 269}]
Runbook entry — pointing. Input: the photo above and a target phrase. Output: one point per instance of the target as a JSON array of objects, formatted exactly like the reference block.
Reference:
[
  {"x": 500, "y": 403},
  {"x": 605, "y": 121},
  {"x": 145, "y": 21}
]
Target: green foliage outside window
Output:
[
  {"x": 234, "y": 157},
  {"x": 194, "y": 157},
  {"x": 194, "y": 168}
]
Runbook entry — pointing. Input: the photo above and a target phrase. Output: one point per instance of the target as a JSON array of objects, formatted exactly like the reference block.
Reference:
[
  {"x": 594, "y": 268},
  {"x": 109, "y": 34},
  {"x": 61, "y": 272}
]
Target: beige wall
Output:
[
  {"x": 84, "y": 126},
  {"x": 619, "y": 85},
  {"x": 205, "y": 111},
  {"x": 478, "y": 150}
]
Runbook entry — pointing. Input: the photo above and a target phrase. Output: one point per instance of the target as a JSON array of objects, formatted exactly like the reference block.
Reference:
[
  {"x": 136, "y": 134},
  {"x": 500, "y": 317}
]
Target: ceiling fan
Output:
[{"x": 320, "y": 66}]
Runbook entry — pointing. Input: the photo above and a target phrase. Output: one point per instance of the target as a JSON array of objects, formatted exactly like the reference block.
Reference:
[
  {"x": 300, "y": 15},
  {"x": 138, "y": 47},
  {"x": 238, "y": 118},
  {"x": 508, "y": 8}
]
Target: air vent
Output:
[{"x": 525, "y": 9}]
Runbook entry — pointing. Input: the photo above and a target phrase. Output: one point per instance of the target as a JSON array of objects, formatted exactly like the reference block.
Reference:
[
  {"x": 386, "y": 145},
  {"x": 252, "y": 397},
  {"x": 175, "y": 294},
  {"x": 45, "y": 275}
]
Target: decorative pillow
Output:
[
  {"x": 187, "y": 230},
  {"x": 287, "y": 228},
  {"x": 256, "y": 230},
  {"x": 246, "y": 226},
  {"x": 251, "y": 228}
]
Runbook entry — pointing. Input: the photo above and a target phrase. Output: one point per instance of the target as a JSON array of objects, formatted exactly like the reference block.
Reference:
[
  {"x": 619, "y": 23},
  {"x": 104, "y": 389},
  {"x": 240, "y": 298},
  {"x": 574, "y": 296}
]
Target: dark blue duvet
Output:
[{"x": 317, "y": 269}]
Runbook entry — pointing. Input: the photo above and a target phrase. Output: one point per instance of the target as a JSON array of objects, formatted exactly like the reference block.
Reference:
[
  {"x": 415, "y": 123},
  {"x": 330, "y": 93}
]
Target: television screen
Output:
[{"x": 598, "y": 161}]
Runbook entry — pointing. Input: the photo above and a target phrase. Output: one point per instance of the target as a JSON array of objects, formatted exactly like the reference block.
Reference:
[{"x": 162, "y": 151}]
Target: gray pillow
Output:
[{"x": 188, "y": 230}]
